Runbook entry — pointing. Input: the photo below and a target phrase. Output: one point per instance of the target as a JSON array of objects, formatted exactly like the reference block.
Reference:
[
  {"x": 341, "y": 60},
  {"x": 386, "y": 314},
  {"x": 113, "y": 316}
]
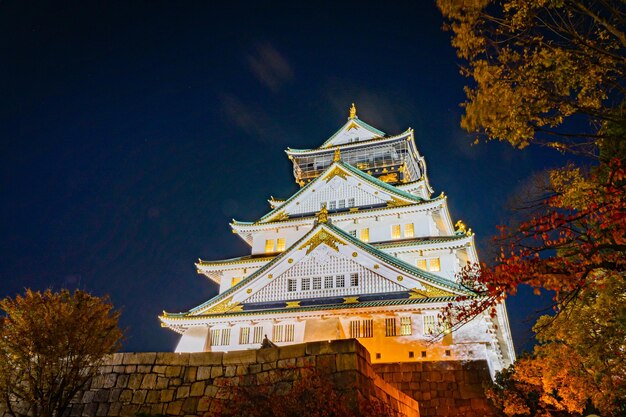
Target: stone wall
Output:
[
  {"x": 192, "y": 384},
  {"x": 447, "y": 388}
]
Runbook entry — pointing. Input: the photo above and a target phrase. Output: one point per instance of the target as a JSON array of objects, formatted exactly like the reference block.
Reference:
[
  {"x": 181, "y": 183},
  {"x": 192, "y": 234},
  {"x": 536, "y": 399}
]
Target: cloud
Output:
[
  {"x": 386, "y": 110},
  {"x": 270, "y": 67},
  {"x": 253, "y": 120}
]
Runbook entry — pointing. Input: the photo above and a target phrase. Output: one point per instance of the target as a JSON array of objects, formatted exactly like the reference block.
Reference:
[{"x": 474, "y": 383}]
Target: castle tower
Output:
[{"x": 362, "y": 250}]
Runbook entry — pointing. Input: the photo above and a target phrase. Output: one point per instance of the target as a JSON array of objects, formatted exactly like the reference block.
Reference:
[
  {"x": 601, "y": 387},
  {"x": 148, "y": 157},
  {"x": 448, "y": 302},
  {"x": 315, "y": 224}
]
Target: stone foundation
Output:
[
  {"x": 192, "y": 384},
  {"x": 447, "y": 388}
]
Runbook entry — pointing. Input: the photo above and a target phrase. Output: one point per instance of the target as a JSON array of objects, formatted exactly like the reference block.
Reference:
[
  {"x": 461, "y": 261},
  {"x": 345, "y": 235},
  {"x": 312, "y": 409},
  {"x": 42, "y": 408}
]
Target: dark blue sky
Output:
[{"x": 131, "y": 132}]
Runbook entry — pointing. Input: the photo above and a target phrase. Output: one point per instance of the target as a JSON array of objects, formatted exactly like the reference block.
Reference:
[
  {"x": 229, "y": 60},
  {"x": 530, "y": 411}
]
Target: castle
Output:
[{"x": 362, "y": 250}]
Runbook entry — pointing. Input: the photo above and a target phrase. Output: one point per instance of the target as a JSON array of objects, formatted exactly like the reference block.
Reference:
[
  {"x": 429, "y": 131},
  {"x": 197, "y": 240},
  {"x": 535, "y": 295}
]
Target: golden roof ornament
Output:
[
  {"x": 460, "y": 227},
  {"x": 337, "y": 156},
  {"x": 353, "y": 111},
  {"x": 322, "y": 215}
]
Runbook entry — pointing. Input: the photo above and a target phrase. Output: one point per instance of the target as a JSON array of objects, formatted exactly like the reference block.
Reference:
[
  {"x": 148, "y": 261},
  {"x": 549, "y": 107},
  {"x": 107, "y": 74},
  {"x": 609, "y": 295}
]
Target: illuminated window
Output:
[
  {"x": 409, "y": 230},
  {"x": 340, "y": 281},
  {"x": 220, "y": 337},
  {"x": 351, "y": 202},
  {"x": 306, "y": 284},
  {"x": 257, "y": 335},
  {"x": 234, "y": 281},
  {"x": 396, "y": 231},
  {"x": 354, "y": 280},
  {"x": 406, "y": 328},
  {"x": 361, "y": 328},
  {"x": 225, "y": 337},
  {"x": 421, "y": 264},
  {"x": 280, "y": 246},
  {"x": 269, "y": 246},
  {"x": 332, "y": 205},
  {"x": 341, "y": 204},
  {"x": 284, "y": 333},
  {"x": 317, "y": 283},
  {"x": 430, "y": 324},
  {"x": 328, "y": 282},
  {"x": 390, "y": 327},
  {"x": 292, "y": 285},
  {"x": 434, "y": 265},
  {"x": 215, "y": 337},
  {"x": 244, "y": 335},
  {"x": 365, "y": 234}
]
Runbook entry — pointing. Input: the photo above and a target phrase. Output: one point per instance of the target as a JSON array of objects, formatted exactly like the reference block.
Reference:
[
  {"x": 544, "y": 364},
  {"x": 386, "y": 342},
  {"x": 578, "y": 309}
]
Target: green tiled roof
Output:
[
  {"x": 384, "y": 257},
  {"x": 357, "y": 172}
]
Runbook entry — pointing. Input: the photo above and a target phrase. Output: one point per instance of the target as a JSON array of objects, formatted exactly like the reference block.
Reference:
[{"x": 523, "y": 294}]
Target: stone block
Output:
[
  {"x": 130, "y": 369},
  {"x": 255, "y": 368},
  {"x": 230, "y": 370},
  {"x": 88, "y": 397},
  {"x": 153, "y": 397},
  {"x": 239, "y": 357},
  {"x": 217, "y": 371},
  {"x": 134, "y": 382},
  {"x": 326, "y": 363},
  {"x": 162, "y": 382},
  {"x": 156, "y": 409},
  {"x": 97, "y": 382},
  {"x": 241, "y": 370},
  {"x": 129, "y": 409},
  {"x": 114, "y": 409},
  {"x": 190, "y": 374},
  {"x": 139, "y": 396},
  {"x": 175, "y": 382},
  {"x": 182, "y": 392},
  {"x": 158, "y": 369},
  {"x": 144, "y": 369},
  {"x": 103, "y": 409},
  {"x": 291, "y": 351},
  {"x": 167, "y": 395},
  {"x": 205, "y": 358},
  {"x": 165, "y": 358},
  {"x": 267, "y": 355},
  {"x": 197, "y": 389},
  {"x": 286, "y": 363},
  {"x": 174, "y": 408},
  {"x": 344, "y": 345},
  {"x": 282, "y": 388},
  {"x": 211, "y": 391},
  {"x": 101, "y": 396},
  {"x": 346, "y": 361},
  {"x": 119, "y": 369},
  {"x": 142, "y": 358},
  {"x": 149, "y": 381},
  {"x": 90, "y": 409},
  {"x": 268, "y": 366},
  {"x": 126, "y": 396},
  {"x": 203, "y": 404},
  {"x": 203, "y": 372},
  {"x": 114, "y": 395},
  {"x": 105, "y": 369},
  {"x": 173, "y": 371},
  {"x": 190, "y": 405}
]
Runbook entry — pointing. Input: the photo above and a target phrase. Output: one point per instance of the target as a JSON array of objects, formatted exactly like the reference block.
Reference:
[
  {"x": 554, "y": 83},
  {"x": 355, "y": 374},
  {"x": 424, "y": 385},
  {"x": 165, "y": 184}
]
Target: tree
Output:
[
  {"x": 548, "y": 72},
  {"x": 579, "y": 365},
  {"x": 51, "y": 344}
]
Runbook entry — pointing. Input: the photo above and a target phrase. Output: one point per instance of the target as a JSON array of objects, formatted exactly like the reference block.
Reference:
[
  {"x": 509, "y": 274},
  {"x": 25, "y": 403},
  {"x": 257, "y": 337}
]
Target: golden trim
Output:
[
  {"x": 350, "y": 300},
  {"x": 429, "y": 292},
  {"x": 396, "y": 202},
  {"x": 292, "y": 304},
  {"x": 336, "y": 172},
  {"x": 322, "y": 237},
  {"x": 226, "y": 305}
]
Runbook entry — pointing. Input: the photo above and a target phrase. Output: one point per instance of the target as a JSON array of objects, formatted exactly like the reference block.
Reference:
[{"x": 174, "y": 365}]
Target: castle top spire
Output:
[{"x": 353, "y": 111}]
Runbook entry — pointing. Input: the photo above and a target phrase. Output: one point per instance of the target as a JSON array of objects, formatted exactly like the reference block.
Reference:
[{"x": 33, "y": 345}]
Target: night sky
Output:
[{"x": 132, "y": 132}]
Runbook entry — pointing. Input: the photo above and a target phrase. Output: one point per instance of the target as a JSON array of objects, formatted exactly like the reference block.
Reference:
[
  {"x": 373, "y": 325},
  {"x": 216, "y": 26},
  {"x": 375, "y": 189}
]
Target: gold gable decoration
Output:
[
  {"x": 225, "y": 306},
  {"x": 336, "y": 172},
  {"x": 322, "y": 237},
  {"x": 428, "y": 292},
  {"x": 396, "y": 202},
  {"x": 392, "y": 177}
]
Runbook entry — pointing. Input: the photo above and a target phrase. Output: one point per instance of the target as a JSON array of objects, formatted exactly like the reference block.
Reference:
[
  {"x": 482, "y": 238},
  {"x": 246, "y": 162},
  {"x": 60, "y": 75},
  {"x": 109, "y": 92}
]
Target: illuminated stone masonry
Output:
[{"x": 362, "y": 250}]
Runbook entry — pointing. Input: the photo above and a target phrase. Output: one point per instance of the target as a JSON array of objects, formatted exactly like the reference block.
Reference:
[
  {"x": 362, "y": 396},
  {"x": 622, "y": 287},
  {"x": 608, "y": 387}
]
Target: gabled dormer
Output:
[
  {"x": 354, "y": 130},
  {"x": 341, "y": 187}
]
